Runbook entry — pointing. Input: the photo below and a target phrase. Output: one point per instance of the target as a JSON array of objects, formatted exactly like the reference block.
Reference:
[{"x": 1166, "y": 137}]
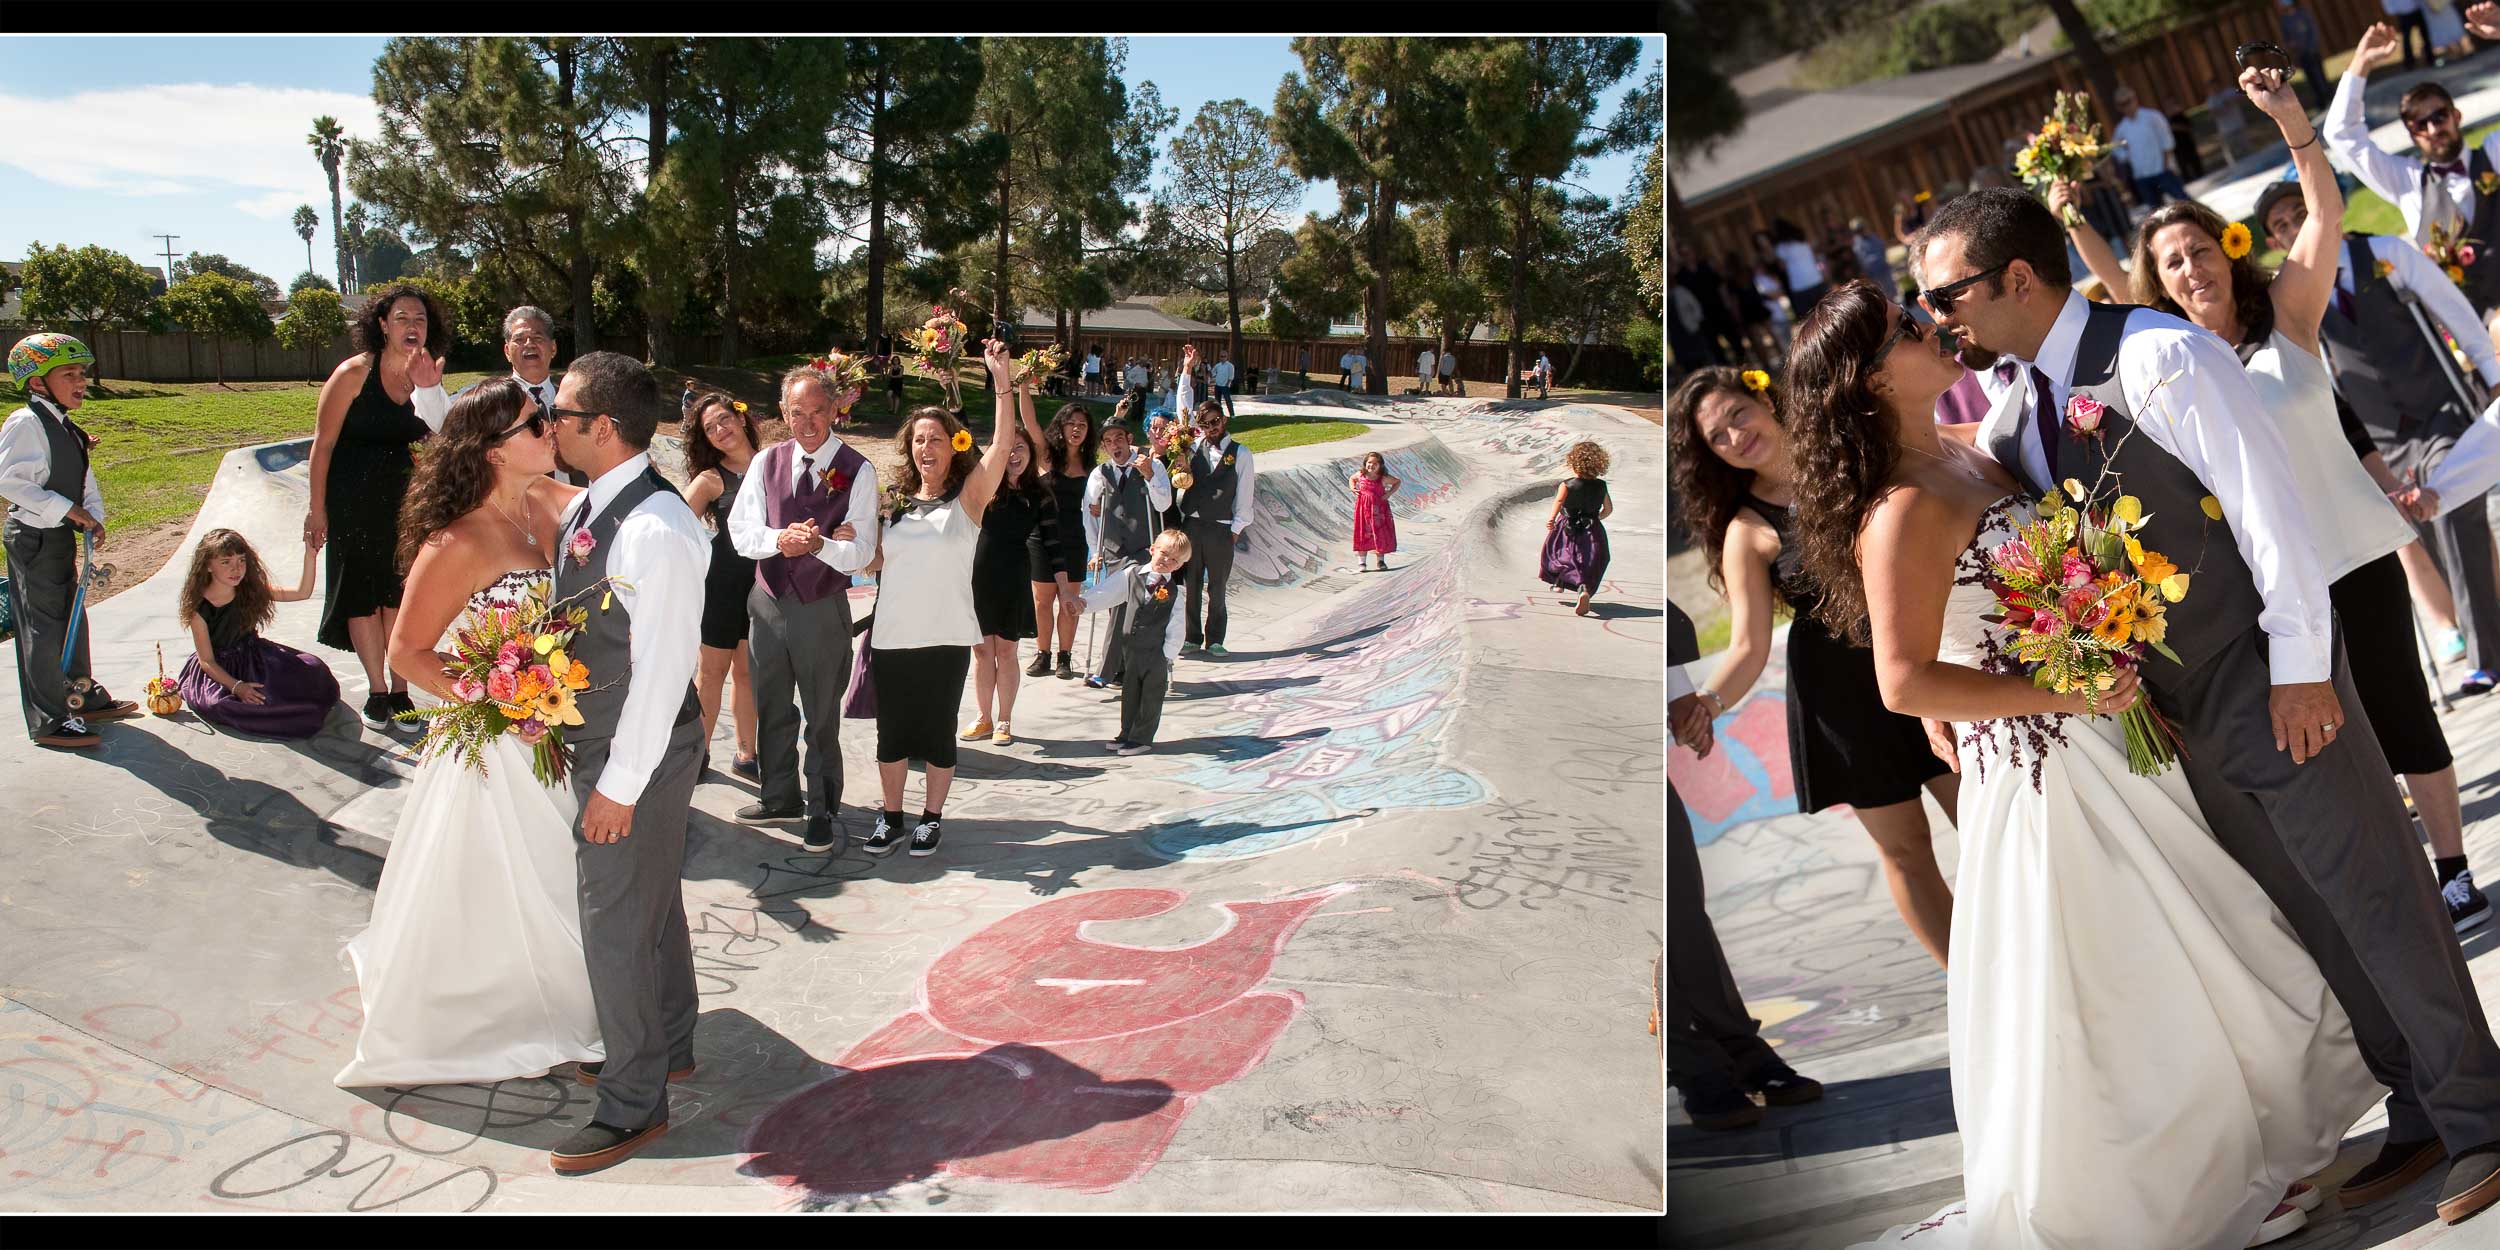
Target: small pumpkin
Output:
[{"x": 164, "y": 699}]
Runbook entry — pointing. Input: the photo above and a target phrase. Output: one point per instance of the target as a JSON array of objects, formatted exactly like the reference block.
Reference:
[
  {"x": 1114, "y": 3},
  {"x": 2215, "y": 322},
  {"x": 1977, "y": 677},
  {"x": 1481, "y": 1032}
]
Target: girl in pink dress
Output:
[{"x": 1375, "y": 530}]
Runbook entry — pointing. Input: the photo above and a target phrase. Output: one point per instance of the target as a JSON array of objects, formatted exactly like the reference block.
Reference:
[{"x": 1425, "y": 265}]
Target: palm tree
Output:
[
  {"x": 306, "y": 222},
  {"x": 328, "y": 141},
  {"x": 355, "y": 243}
]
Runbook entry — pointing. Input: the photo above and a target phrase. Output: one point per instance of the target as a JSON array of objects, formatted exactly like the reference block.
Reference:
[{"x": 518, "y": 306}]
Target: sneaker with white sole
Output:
[
  {"x": 924, "y": 838},
  {"x": 2304, "y": 1195},
  {"x": 2285, "y": 1220},
  {"x": 882, "y": 838},
  {"x": 2467, "y": 907},
  {"x": 2452, "y": 646}
]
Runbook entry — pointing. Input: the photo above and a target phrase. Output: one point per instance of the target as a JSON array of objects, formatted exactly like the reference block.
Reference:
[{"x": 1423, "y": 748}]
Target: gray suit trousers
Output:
[
  {"x": 2460, "y": 544},
  {"x": 802, "y": 650},
  {"x": 634, "y": 933},
  {"x": 2329, "y": 842},
  {"x": 1712, "y": 1043},
  {"x": 43, "y": 582}
]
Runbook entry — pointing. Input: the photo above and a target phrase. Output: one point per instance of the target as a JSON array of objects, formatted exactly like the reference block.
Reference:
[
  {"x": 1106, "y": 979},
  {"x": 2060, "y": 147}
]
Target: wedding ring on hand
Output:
[{"x": 2326, "y": 729}]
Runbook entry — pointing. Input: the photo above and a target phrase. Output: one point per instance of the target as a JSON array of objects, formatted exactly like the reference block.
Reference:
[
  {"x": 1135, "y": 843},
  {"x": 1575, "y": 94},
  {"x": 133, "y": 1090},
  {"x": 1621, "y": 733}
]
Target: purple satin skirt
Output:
[{"x": 300, "y": 690}]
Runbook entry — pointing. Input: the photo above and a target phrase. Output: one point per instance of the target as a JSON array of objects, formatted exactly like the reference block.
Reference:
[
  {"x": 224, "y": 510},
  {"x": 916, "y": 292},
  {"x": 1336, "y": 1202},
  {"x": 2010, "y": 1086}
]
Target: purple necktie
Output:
[
  {"x": 2043, "y": 420},
  {"x": 2453, "y": 169}
]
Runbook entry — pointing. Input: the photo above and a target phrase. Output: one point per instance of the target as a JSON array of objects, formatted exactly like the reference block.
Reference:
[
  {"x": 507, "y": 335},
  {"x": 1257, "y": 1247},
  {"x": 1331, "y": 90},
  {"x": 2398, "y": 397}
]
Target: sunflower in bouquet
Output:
[
  {"x": 1041, "y": 362},
  {"x": 1176, "y": 451},
  {"x": 512, "y": 673},
  {"x": 846, "y": 376},
  {"x": 937, "y": 348},
  {"x": 2064, "y": 149}
]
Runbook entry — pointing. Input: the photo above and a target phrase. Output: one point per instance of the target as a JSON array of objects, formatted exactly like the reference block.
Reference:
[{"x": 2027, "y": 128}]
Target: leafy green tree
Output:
[
  {"x": 1590, "y": 287},
  {"x": 356, "y": 218},
  {"x": 1230, "y": 183},
  {"x": 914, "y": 169},
  {"x": 219, "y": 307},
  {"x": 308, "y": 280},
  {"x": 328, "y": 141},
  {"x": 1385, "y": 118},
  {"x": 307, "y": 223},
  {"x": 93, "y": 288},
  {"x": 381, "y": 255},
  {"x": 314, "y": 319},
  {"x": 476, "y": 315},
  {"x": 1644, "y": 241},
  {"x": 264, "y": 287}
]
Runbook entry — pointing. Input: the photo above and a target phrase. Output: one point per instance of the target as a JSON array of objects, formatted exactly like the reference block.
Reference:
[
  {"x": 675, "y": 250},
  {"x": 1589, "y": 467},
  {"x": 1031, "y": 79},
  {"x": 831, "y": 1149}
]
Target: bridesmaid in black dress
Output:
[
  {"x": 364, "y": 442},
  {"x": 1056, "y": 554},
  {"x": 1734, "y": 486},
  {"x": 1002, "y": 592},
  {"x": 721, "y": 441}
]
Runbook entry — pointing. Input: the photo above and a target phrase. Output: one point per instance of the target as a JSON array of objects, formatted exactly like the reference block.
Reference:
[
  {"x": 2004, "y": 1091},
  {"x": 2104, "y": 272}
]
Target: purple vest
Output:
[
  {"x": 804, "y": 578},
  {"x": 1964, "y": 402}
]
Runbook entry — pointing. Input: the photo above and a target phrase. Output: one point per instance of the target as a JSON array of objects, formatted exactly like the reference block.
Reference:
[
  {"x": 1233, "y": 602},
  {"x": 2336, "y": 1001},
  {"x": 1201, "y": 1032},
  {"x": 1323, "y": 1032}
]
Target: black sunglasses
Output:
[
  {"x": 2429, "y": 119},
  {"x": 536, "y": 425},
  {"x": 1939, "y": 300},
  {"x": 575, "y": 414},
  {"x": 2259, "y": 54},
  {"x": 1905, "y": 330}
]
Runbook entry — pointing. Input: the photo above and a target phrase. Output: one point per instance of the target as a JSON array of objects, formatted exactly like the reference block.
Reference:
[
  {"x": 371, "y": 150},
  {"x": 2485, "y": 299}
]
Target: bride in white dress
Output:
[
  {"x": 471, "y": 970},
  {"x": 2142, "y": 1053}
]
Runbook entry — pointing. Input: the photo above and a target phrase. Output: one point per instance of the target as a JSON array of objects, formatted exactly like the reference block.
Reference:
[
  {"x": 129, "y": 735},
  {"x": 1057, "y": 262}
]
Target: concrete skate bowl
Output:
[{"x": 1320, "y": 951}]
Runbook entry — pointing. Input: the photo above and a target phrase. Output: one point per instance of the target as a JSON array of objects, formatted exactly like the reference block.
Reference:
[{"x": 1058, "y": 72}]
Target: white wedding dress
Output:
[
  {"x": 2143, "y": 1054},
  {"x": 471, "y": 970}
]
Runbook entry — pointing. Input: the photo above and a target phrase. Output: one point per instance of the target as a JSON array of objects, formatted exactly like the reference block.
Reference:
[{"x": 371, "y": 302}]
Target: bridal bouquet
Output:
[
  {"x": 2064, "y": 150},
  {"x": 2451, "y": 250},
  {"x": 2083, "y": 598},
  {"x": 512, "y": 675},
  {"x": 847, "y": 377},
  {"x": 1041, "y": 362},
  {"x": 1176, "y": 451},
  {"x": 938, "y": 345}
]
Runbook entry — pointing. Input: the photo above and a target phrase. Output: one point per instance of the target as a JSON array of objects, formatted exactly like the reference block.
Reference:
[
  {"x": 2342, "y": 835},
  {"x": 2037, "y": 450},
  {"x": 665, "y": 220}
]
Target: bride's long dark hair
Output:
[
  {"x": 453, "y": 475},
  {"x": 1841, "y": 441}
]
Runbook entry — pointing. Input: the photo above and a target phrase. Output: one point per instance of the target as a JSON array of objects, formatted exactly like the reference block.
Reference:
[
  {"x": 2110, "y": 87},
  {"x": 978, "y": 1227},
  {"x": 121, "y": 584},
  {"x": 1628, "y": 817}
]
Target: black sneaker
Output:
[
  {"x": 1720, "y": 1109},
  {"x": 881, "y": 840},
  {"x": 1096, "y": 683},
  {"x": 2467, "y": 907},
  {"x": 820, "y": 834},
  {"x": 758, "y": 814},
  {"x": 746, "y": 767},
  {"x": 377, "y": 712},
  {"x": 1066, "y": 670},
  {"x": 1040, "y": 666},
  {"x": 2479, "y": 681},
  {"x": 924, "y": 838}
]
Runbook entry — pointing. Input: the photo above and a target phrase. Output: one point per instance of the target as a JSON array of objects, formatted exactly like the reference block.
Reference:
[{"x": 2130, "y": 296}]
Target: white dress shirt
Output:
[
  {"x": 1112, "y": 591},
  {"x": 26, "y": 463},
  {"x": 1223, "y": 374},
  {"x": 1206, "y": 458},
  {"x": 658, "y": 561},
  {"x": 1184, "y": 394},
  {"x": 1679, "y": 684},
  {"x": 2397, "y": 179},
  {"x": 433, "y": 403},
  {"x": 1098, "y": 484},
  {"x": 2210, "y": 419},
  {"x": 1449, "y": 364},
  {"x": 2147, "y": 138},
  {"x": 750, "y": 535}
]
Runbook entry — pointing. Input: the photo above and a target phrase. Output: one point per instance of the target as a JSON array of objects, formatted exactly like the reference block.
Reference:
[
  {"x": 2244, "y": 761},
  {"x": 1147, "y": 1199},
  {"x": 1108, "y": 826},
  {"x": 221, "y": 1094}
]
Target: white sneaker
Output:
[
  {"x": 2286, "y": 1220},
  {"x": 2304, "y": 1195}
]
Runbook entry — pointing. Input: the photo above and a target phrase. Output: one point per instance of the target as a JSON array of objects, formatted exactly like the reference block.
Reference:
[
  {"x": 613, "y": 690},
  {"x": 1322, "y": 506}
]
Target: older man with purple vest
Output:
[{"x": 807, "y": 516}]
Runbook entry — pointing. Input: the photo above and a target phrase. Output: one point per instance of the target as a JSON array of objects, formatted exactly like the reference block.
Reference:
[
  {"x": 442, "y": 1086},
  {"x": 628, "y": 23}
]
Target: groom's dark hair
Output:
[
  {"x": 1999, "y": 226},
  {"x": 620, "y": 386}
]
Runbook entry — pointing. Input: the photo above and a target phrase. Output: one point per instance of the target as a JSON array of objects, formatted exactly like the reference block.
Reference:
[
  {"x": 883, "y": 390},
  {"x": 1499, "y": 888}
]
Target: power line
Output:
[{"x": 168, "y": 254}]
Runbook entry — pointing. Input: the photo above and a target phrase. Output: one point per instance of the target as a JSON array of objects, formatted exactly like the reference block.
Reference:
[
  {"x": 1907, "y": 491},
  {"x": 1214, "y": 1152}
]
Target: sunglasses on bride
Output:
[
  {"x": 1907, "y": 329},
  {"x": 536, "y": 425}
]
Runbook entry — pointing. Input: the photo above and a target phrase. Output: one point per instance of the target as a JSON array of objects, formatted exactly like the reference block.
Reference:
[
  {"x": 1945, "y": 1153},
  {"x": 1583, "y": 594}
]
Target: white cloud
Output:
[
  {"x": 172, "y": 138},
  {"x": 280, "y": 205}
]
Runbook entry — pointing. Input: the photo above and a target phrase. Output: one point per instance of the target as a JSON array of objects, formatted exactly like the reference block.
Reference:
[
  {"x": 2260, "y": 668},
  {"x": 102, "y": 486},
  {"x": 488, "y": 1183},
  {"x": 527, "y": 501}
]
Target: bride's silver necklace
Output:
[
  {"x": 1950, "y": 463},
  {"x": 526, "y": 534}
]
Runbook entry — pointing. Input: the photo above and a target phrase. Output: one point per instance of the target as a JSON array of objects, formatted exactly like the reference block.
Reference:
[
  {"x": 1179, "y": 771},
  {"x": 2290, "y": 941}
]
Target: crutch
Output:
[
  {"x": 81, "y": 689},
  {"x": 1094, "y": 619}
]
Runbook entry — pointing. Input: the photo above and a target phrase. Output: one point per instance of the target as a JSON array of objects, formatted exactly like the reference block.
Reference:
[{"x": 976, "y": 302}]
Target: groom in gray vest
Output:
[
  {"x": 2277, "y": 752},
  {"x": 630, "y": 551}
]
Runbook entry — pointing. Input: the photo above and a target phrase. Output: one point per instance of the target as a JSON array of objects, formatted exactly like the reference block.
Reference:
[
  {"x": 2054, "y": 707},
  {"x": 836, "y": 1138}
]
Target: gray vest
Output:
[
  {"x": 1127, "y": 519},
  {"x": 1212, "y": 488},
  {"x": 605, "y": 644},
  {"x": 1149, "y": 619},
  {"x": 2387, "y": 365},
  {"x": 65, "y": 451},
  {"x": 2222, "y": 601}
]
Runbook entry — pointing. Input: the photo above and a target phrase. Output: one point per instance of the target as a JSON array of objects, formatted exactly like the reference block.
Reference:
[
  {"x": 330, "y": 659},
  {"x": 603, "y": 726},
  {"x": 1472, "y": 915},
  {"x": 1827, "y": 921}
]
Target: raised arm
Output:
[
  {"x": 2305, "y": 284},
  {"x": 983, "y": 484},
  {"x": 2348, "y": 129},
  {"x": 2106, "y": 268}
]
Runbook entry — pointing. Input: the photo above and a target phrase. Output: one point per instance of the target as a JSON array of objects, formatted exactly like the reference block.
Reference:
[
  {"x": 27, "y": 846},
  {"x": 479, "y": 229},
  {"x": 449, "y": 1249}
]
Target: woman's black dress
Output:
[
  {"x": 1002, "y": 590},
  {"x": 1058, "y": 542},
  {"x": 730, "y": 576},
  {"x": 1843, "y": 745},
  {"x": 370, "y": 465}
]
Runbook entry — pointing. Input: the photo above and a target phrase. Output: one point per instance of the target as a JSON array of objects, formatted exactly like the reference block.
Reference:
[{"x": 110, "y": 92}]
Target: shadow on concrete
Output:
[
  {"x": 1853, "y": 1115},
  {"x": 869, "y": 1130},
  {"x": 1177, "y": 839},
  {"x": 1226, "y": 687},
  {"x": 243, "y": 812},
  {"x": 1605, "y": 611},
  {"x": 1331, "y": 649},
  {"x": 1234, "y": 748}
]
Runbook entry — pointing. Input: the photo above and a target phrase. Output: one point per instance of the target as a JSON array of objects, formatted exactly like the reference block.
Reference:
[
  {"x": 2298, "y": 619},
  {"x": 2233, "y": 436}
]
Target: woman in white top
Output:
[
  {"x": 920, "y": 646},
  {"x": 2181, "y": 268},
  {"x": 1807, "y": 282}
]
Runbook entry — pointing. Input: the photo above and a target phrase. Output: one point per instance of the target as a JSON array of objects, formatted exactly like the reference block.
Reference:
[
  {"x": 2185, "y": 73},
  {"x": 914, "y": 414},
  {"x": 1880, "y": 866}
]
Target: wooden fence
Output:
[
  {"x": 181, "y": 356},
  {"x": 1600, "y": 364}
]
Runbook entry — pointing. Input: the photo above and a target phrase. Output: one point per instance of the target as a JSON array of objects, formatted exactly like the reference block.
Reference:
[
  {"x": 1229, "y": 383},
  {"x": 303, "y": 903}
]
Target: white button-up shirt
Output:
[
  {"x": 1112, "y": 591},
  {"x": 26, "y": 464},
  {"x": 1222, "y": 373},
  {"x": 433, "y": 403},
  {"x": 2209, "y": 418},
  {"x": 2147, "y": 138},
  {"x": 752, "y": 536},
  {"x": 1098, "y": 484},
  {"x": 2397, "y": 179},
  {"x": 1207, "y": 457},
  {"x": 658, "y": 559}
]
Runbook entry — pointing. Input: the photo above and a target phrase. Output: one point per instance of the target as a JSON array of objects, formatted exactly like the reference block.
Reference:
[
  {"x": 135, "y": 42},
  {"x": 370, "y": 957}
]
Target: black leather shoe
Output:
[
  {"x": 1040, "y": 666},
  {"x": 1780, "y": 1086},
  {"x": 595, "y": 1146},
  {"x": 1720, "y": 1110},
  {"x": 2398, "y": 1164},
  {"x": 2473, "y": 1183},
  {"x": 588, "y": 1073},
  {"x": 820, "y": 835},
  {"x": 758, "y": 814}
]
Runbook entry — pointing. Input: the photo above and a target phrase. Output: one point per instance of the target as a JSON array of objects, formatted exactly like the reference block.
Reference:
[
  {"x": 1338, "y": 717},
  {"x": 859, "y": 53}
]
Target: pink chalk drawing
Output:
[
  {"x": 1747, "y": 776},
  {"x": 1040, "y": 1055}
]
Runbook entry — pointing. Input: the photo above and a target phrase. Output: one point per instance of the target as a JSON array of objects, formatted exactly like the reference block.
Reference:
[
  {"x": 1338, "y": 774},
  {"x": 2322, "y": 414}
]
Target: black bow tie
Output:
[{"x": 2453, "y": 169}]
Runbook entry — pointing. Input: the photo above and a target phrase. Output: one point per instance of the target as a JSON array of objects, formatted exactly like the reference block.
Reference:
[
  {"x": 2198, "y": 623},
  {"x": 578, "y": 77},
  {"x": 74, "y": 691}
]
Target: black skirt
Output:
[
  {"x": 725, "y": 587},
  {"x": 1844, "y": 746},
  {"x": 2374, "y": 607},
  {"x": 918, "y": 690},
  {"x": 1002, "y": 586}
]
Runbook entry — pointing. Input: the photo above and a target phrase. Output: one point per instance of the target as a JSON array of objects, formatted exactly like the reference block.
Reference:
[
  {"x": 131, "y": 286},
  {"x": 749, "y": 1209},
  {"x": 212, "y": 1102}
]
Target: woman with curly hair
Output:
[
  {"x": 2085, "y": 894},
  {"x": 1576, "y": 553},
  {"x": 235, "y": 678},
  {"x": 2190, "y": 263},
  {"x": 920, "y": 648},
  {"x": 1734, "y": 485},
  {"x": 720, "y": 449},
  {"x": 1055, "y": 556},
  {"x": 364, "y": 434}
]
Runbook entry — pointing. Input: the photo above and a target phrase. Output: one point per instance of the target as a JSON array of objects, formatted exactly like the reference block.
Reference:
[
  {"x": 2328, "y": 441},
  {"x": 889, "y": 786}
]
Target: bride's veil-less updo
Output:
[
  {"x": 453, "y": 476},
  {"x": 1842, "y": 445}
]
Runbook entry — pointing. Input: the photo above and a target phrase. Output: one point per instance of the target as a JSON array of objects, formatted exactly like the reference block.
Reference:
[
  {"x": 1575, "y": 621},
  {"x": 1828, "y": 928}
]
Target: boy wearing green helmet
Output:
[{"x": 53, "y": 499}]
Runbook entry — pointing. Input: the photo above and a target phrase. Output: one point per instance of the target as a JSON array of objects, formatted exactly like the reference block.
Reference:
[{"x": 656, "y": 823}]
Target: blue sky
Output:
[{"x": 203, "y": 137}]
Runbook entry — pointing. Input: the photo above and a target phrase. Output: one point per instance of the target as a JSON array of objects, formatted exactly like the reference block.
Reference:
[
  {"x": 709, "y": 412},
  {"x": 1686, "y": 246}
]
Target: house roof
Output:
[
  {"x": 1801, "y": 128},
  {"x": 1129, "y": 316}
]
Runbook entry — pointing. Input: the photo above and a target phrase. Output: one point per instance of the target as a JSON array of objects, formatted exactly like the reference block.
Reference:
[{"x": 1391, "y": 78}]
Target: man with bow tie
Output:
[
  {"x": 1215, "y": 509},
  {"x": 529, "y": 343},
  {"x": 2450, "y": 197}
]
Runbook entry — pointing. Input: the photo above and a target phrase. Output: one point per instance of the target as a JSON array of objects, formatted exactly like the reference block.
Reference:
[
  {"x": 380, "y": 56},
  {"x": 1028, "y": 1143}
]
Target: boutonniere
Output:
[
  {"x": 2383, "y": 268},
  {"x": 835, "y": 479},
  {"x": 2488, "y": 182},
  {"x": 582, "y": 544},
  {"x": 2084, "y": 414},
  {"x": 1162, "y": 593},
  {"x": 897, "y": 501},
  {"x": 1228, "y": 460}
]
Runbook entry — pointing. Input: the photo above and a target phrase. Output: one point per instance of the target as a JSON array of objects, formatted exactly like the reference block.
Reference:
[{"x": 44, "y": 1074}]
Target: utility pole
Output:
[{"x": 168, "y": 254}]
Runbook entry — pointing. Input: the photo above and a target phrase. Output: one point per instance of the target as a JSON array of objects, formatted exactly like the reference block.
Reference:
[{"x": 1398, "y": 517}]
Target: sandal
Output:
[{"x": 975, "y": 731}]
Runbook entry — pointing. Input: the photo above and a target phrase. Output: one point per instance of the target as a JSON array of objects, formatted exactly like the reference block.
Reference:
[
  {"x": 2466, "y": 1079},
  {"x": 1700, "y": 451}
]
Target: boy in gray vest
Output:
[
  {"x": 1121, "y": 497},
  {"x": 53, "y": 499},
  {"x": 1148, "y": 640}
]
